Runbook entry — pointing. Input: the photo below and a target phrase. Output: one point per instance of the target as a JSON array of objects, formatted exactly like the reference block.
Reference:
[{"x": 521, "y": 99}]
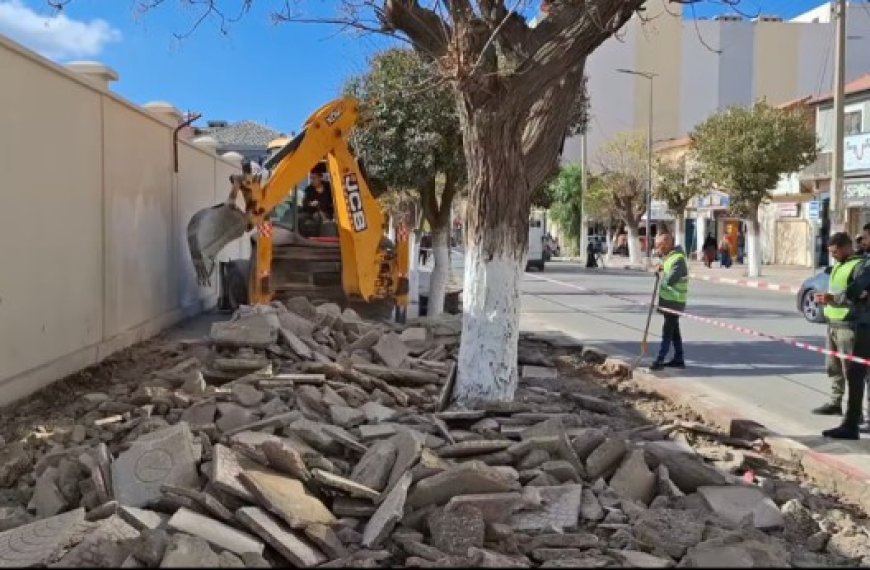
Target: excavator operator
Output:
[{"x": 317, "y": 198}]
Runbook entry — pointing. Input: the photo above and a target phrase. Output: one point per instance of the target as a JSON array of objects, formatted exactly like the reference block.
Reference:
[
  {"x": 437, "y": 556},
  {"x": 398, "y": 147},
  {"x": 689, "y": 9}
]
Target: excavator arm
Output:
[{"x": 371, "y": 268}]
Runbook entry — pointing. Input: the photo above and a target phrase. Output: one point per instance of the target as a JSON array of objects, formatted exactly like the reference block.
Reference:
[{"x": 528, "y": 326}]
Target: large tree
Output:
[
  {"x": 624, "y": 173},
  {"x": 678, "y": 183},
  {"x": 411, "y": 140},
  {"x": 515, "y": 86},
  {"x": 745, "y": 150}
]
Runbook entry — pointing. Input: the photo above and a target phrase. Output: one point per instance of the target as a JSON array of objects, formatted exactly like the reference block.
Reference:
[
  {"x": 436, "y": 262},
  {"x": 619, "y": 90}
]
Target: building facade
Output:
[{"x": 706, "y": 65}]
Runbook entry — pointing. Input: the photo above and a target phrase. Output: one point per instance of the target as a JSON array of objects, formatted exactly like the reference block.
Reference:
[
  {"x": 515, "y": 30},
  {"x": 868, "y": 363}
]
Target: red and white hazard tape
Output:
[
  {"x": 721, "y": 324},
  {"x": 748, "y": 283}
]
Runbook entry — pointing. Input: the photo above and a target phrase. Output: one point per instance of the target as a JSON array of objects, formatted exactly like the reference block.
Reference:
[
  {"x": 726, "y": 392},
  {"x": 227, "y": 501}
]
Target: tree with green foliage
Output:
[
  {"x": 566, "y": 208},
  {"x": 679, "y": 182},
  {"x": 410, "y": 139},
  {"x": 745, "y": 150}
]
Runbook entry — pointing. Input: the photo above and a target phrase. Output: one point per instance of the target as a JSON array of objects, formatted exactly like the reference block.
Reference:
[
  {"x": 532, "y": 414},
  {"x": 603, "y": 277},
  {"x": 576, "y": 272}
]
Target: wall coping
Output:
[{"x": 23, "y": 51}]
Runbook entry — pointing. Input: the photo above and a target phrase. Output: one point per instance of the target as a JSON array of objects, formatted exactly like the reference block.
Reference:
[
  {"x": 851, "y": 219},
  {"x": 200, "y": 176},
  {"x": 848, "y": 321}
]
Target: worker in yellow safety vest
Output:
[
  {"x": 848, "y": 332},
  {"x": 673, "y": 294}
]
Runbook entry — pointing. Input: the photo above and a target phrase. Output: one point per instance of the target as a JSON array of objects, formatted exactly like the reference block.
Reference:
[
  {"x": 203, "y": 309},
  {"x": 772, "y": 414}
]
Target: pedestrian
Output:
[
  {"x": 673, "y": 294},
  {"x": 709, "y": 249},
  {"x": 864, "y": 244},
  {"x": 848, "y": 319},
  {"x": 425, "y": 247},
  {"x": 590, "y": 254},
  {"x": 725, "y": 253},
  {"x": 741, "y": 246}
]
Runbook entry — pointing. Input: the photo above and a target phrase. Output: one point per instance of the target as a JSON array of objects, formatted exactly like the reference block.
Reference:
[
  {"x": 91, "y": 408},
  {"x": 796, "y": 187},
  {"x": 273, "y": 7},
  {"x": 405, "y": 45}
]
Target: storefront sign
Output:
[
  {"x": 787, "y": 209},
  {"x": 857, "y": 193},
  {"x": 857, "y": 153}
]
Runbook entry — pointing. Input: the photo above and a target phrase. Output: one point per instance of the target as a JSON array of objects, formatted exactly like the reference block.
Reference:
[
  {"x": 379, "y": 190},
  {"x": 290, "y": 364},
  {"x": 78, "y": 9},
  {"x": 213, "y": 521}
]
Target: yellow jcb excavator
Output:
[{"x": 348, "y": 260}]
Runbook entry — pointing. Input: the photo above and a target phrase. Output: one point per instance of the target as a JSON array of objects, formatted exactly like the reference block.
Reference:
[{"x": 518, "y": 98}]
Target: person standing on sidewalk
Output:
[
  {"x": 840, "y": 313},
  {"x": 673, "y": 294}
]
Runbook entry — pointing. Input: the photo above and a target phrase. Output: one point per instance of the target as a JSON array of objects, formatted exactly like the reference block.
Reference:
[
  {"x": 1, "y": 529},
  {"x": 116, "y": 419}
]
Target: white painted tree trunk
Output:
[
  {"x": 680, "y": 229},
  {"x": 440, "y": 272},
  {"x": 610, "y": 244},
  {"x": 633, "y": 244},
  {"x": 490, "y": 326},
  {"x": 754, "y": 245}
]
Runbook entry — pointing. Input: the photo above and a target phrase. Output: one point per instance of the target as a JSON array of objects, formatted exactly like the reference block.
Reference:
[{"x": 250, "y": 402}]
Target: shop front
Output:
[{"x": 857, "y": 199}]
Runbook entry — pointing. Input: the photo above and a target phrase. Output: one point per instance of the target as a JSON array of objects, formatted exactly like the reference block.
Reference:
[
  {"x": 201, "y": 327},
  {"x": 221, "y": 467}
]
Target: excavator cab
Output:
[{"x": 347, "y": 260}]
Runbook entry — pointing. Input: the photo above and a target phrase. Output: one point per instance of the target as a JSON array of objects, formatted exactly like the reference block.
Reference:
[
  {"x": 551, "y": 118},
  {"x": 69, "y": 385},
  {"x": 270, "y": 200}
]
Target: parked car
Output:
[{"x": 805, "y": 303}]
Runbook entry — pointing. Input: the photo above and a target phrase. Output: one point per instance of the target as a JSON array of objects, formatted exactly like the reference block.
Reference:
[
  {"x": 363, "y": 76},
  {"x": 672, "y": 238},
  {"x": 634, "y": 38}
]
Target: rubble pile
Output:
[{"x": 304, "y": 435}]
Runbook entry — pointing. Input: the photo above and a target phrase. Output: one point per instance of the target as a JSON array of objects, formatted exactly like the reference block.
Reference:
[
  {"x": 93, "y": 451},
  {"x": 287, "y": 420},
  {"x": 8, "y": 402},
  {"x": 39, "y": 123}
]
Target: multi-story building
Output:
[{"x": 706, "y": 65}]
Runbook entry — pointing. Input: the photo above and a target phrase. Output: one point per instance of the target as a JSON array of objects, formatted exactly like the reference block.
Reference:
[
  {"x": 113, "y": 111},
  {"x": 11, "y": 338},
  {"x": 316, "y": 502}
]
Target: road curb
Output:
[{"x": 826, "y": 470}]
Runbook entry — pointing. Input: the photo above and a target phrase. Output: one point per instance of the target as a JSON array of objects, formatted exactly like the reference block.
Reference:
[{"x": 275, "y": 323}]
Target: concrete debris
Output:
[{"x": 305, "y": 436}]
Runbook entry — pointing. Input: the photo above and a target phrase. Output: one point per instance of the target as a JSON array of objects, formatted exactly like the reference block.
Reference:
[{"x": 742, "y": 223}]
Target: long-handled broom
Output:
[{"x": 644, "y": 347}]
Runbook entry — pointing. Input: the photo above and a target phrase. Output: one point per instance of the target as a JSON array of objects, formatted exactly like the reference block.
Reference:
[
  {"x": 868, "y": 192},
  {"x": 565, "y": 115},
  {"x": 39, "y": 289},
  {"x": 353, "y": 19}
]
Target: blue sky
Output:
[{"x": 276, "y": 74}]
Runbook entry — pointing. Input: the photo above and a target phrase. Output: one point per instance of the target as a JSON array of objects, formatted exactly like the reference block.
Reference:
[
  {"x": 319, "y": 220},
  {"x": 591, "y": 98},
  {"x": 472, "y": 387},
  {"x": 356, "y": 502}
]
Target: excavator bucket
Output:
[{"x": 208, "y": 232}]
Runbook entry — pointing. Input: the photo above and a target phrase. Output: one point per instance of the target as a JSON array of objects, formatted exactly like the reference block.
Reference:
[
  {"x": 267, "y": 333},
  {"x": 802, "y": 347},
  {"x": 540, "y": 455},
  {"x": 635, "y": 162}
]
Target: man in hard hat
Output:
[
  {"x": 846, "y": 310},
  {"x": 673, "y": 294}
]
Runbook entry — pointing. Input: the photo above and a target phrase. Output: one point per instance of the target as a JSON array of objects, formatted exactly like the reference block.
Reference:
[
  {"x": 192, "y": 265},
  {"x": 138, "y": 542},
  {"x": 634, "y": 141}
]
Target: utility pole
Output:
[
  {"x": 838, "y": 211},
  {"x": 584, "y": 188}
]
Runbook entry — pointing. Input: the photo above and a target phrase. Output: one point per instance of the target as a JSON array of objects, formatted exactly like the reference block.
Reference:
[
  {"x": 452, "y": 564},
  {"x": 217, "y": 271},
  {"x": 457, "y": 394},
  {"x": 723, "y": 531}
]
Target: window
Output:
[{"x": 852, "y": 123}]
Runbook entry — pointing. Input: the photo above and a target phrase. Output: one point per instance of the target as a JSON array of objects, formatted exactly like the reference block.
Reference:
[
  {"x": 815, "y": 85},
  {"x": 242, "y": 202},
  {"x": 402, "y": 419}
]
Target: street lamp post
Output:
[{"x": 647, "y": 75}]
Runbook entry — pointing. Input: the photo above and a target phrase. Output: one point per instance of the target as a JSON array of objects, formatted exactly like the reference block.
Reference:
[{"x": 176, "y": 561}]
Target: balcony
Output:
[{"x": 820, "y": 169}]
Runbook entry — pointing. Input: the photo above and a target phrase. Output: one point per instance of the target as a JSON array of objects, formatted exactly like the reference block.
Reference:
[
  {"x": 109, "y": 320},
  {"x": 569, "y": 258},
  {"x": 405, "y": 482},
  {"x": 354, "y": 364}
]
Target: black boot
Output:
[
  {"x": 657, "y": 365},
  {"x": 842, "y": 432},
  {"x": 829, "y": 409},
  {"x": 675, "y": 363}
]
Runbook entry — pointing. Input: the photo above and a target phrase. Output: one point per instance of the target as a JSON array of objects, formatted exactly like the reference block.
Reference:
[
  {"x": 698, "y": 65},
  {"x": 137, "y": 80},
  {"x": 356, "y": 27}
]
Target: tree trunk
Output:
[
  {"x": 610, "y": 243},
  {"x": 633, "y": 243},
  {"x": 440, "y": 271},
  {"x": 497, "y": 236},
  {"x": 680, "y": 229},
  {"x": 754, "y": 243}
]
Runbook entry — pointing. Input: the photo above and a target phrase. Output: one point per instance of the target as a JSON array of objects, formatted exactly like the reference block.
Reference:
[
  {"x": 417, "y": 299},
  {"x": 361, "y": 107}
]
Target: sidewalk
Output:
[{"x": 785, "y": 278}]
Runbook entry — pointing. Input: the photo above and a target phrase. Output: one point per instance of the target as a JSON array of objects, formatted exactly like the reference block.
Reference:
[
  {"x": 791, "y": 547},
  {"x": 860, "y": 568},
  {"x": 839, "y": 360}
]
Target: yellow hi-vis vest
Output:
[
  {"x": 837, "y": 285},
  {"x": 679, "y": 292}
]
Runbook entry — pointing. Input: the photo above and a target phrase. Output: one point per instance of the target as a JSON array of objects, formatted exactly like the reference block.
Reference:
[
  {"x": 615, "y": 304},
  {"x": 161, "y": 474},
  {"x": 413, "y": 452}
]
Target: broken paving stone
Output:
[
  {"x": 590, "y": 508},
  {"x": 374, "y": 468},
  {"x": 39, "y": 543},
  {"x": 284, "y": 457},
  {"x": 352, "y": 488},
  {"x": 605, "y": 459},
  {"x": 633, "y": 479},
  {"x": 670, "y": 531},
  {"x": 287, "y": 498},
  {"x": 388, "y": 514},
  {"x": 14, "y": 462},
  {"x": 78, "y": 434},
  {"x": 408, "y": 450},
  {"x": 539, "y": 373},
  {"x": 346, "y": 416},
  {"x": 560, "y": 510},
  {"x": 469, "y": 478},
  {"x": 247, "y": 395},
  {"x": 578, "y": 541},
  {"x": 150, "y": 546},
  {"x": 325, "y": 539},
  {"x": 685, "y": 469},
  {"x": 142, "y": 519},
  {"x": 164, "y": 457},
  {"x": 454, "y": 532},
  {"x": 348, "y": 507},
  {"x": 185, "y": 551},
  {"x": 288, "y": 544},
  {"x": 215, "y": 532},
  {"x": 560, "y": 470},
  {"x": 591, "y": 403},
  {"x": 534, "y": 458},
  {"x": 391, "y": 350},
  {"x": 47, "y": 500},
  {"x": 733, "y": 503},
  {"x": 473, "y": 447},
  {"x": 638, "y": 559},
  {"x": 494, "y": 507},
  {"x": 102, "y": 547},
  {"x": 226, "y": 467},
  {"x": 377, "y": 413},
  {"x": 378, "y": 431},
  {"x": 200, "y": 414},
  {"x": 256, "y": 331}
]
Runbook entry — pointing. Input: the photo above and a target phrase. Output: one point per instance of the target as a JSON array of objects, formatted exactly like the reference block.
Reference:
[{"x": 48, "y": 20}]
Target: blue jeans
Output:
[{"x": 671, "y": 334}]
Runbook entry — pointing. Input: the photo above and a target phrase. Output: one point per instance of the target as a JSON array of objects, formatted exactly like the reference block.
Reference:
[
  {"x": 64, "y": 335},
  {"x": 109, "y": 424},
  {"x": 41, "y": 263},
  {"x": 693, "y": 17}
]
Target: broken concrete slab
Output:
[
  {"x": 733, "y": 503},
  {"x": 408, "y": 450},
  {"x": 226, "y": 467},
  {"x": 355, "y": 508},
  {"x": 185, "y": 551},
  {"x": 633, "y": 479},
  {"x": 246, "y": 395},
  {"x": 494, "y": 507},
  {"x": 326, "y": 539},
  {"x": 39, "y": 543},
  {"x": 388, "y": 514},
  {"x": 684, "y": 467},
  {"x": 350, "y": 487},
  {"x": 473, "y": 447},
  {"x": 142, "y": 519},
  {"x": 560, "y": 510},
  {"x": 255, "y": 331},
  {"x": 287, "y": 498},
  {"x": 455, "y": 531},
  {"x": 391, "y": 350},
  {"x": 376, "y": 413},
  {"x": 215, "y": 532},
  {"x": 638, "y": 559},
  {"x": 373, "y": 469},
  {"x": 346, "y": 417},
  {"x": 469, "y": 478},
  {"x": 47, "y": 500},
  {"x": 288, "y": 544},
  {"x": 283, "y": 456},
  {"x": 539, "y": 373},
  {"x": 605, "y": 459},
  {"x": 104, "y": 547},
  {"x": 670, "y": 531},
  {"x": 163, "y": 457}
]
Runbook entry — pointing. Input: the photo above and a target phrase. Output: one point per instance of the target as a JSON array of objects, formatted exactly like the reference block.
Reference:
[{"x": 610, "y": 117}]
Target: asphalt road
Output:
[{"x": 778, "y": 382}]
